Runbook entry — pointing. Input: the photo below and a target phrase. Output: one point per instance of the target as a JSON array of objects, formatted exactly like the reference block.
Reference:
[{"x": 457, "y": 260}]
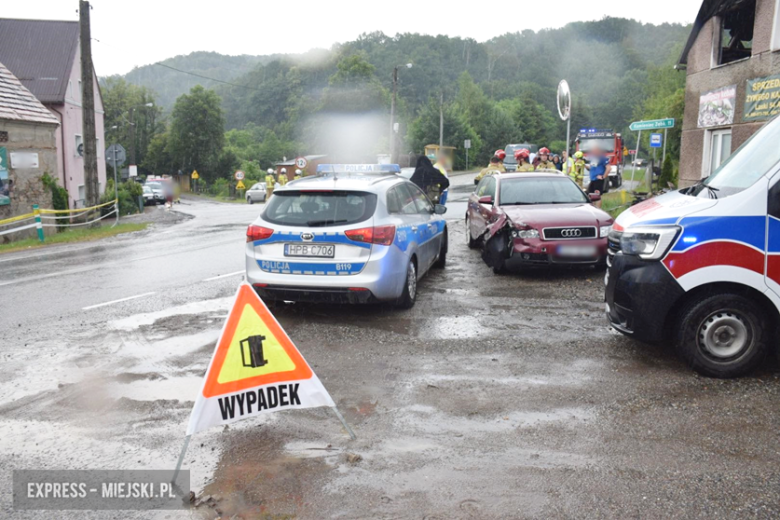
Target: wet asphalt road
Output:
[{"x": 494, "y": 397}]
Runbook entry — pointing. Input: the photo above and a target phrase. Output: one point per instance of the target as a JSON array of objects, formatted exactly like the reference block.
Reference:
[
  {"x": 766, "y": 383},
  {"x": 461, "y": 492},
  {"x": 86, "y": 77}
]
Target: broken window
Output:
[{"x": 736, "y": 31}]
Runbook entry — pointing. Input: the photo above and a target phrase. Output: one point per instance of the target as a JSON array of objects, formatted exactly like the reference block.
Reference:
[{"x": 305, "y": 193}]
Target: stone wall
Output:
[{"x": 26, "y": 186}]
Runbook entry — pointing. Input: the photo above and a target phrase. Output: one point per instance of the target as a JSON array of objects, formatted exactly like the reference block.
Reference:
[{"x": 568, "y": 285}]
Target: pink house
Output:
[{"x": 44, "y": 55}]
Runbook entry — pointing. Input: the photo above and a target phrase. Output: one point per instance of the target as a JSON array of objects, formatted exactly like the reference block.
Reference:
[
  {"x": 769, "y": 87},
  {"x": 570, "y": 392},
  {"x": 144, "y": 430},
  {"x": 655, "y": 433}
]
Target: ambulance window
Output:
[{"x": 754, "y": 159}]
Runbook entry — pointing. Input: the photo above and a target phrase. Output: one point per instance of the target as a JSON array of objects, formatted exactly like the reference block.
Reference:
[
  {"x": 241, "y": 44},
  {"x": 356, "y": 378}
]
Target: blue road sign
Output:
[{"x": 656, "y": 140}]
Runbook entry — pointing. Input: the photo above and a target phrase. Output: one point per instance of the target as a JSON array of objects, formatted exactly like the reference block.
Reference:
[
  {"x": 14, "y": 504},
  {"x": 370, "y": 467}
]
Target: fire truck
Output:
[{"x": 608, "y": 142}]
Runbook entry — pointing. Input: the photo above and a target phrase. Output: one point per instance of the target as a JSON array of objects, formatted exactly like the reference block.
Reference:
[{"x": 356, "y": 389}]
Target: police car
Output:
[
  {"x": 352, "y": 234},
  {"x": 701, "y": 266}
]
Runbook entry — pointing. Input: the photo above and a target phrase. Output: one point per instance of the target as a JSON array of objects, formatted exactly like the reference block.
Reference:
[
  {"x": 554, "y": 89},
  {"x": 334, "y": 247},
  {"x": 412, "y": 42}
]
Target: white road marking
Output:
[
  {"x": 117, "y": 301},
  {"x": 223, "y": 276}
]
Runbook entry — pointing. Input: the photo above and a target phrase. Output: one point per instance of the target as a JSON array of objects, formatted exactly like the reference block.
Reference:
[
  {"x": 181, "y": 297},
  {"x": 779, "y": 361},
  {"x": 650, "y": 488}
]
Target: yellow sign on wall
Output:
[{"x": 195, "y": 174}]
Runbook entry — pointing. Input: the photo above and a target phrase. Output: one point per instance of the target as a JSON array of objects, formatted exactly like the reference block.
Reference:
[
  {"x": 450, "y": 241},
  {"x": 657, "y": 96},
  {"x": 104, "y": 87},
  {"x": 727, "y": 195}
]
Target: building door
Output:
[{"x": 720, "y": 149}]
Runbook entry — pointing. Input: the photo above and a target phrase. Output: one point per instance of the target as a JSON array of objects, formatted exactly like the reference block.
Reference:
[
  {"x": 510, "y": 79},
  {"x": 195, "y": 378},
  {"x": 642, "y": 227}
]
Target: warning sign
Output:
[
  {"x": 195, "y": 174},
  {"x": 240, "y": 185},
  {"x": 255, "y": 369}
]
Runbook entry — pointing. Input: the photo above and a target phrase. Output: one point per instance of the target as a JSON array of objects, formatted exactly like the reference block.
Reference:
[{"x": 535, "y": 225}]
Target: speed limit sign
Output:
[
  {"x": 301, "y": 162},
  {"x": 239, "y": 175}
]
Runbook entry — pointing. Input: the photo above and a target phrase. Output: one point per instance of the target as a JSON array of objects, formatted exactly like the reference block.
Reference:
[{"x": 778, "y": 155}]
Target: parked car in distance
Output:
[
  {"x": 355, "y": 233},
  {"x": 640, "y": 163},
  {"x": 256, "y": 193},
  {"x": 537, "y": 219},
  {"x": 510, "y": 163},
  {"x": 148, "y": 195},
  {"x": 157, "y": 191}
]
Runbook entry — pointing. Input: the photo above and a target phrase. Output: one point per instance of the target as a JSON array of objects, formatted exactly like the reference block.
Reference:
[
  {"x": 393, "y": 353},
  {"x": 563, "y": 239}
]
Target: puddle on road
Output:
[
  {"x": 218, "y": 305},
  {"x": 183, "y": 389},
  {"x": 452, "y": 327}
]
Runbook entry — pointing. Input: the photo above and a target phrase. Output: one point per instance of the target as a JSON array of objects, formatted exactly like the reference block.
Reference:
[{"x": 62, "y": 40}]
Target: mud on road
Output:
[{"x": 494, "y": 397}]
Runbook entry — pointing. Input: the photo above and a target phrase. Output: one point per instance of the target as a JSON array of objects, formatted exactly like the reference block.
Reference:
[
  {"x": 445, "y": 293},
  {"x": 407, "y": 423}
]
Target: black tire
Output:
[
  {"x": 409, "y": 293},
  {"x": 737, "y": 349},
  {"x": 473, "y": 244},
  {"x": 441, "y": 262},
  {"x": 249, "y": 201}
]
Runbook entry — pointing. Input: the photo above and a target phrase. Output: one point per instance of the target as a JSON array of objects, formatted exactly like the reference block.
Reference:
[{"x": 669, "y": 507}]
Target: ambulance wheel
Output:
[
  {"x": 473, "y": 244},
  {"x": 409, "y": 293},
  {"x": 441, "y": 262},
  {"x": 722, "y": 335}
]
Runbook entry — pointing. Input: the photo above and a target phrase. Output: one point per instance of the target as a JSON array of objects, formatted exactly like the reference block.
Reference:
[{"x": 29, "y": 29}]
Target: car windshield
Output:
[
  {"x": 147, "y": 189},
  {"x": 745, "y": 166},
  {"x": 154, "y": 185},
  {"x": 540, "y": 190},
  {"x": 319, "y": 208},
  {"x": 605, "y": 144}
]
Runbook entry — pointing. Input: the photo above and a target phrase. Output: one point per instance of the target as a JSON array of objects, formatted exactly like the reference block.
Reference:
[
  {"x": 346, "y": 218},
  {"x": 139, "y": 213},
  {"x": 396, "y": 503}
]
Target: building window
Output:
[
  {"x": 736, "y": 32},
  {"x": 719, "y": 150}
]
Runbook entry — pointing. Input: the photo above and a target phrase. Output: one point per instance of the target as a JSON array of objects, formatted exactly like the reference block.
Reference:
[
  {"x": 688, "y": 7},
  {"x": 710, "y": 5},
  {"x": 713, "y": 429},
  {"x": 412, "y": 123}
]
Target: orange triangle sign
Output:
[
  {"x": 253, "y": 350},
  {"x": 255, "y": 369}
]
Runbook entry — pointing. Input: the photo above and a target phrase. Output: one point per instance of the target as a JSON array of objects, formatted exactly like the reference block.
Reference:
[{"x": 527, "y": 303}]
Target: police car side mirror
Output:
[
  {"x": 440, "y": 209},
  {"x": 595, "y": 197}
]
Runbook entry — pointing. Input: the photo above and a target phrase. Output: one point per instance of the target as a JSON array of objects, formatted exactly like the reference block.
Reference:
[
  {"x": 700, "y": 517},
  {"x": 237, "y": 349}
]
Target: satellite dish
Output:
[{"x": 564, "y": 100}]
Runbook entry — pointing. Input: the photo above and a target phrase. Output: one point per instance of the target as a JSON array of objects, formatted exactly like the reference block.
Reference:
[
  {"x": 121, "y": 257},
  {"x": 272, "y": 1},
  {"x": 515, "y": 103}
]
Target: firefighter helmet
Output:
[
  {"x": 544, "y": 151},
  {"x": 578, "y": 154},
  {"x": 522, "y": 152},
  {"x": 270, "y": 171},
  {"x": 284, "y": 170},
  {"x": 501, "y": 154}
]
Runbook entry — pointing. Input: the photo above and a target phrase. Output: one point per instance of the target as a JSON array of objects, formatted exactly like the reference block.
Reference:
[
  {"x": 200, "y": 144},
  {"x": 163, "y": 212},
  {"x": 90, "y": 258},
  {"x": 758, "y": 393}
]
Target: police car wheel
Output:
[
  {"x": 722, "y": 335},
  {"x": 473, "y": 244},
  {"x": 409, "y": 293},
  {"x": 441, "y": 262}
]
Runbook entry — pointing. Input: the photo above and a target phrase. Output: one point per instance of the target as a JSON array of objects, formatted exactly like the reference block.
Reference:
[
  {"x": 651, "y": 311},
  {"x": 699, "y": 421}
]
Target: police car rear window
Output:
[{"x": 319, "y": 208}]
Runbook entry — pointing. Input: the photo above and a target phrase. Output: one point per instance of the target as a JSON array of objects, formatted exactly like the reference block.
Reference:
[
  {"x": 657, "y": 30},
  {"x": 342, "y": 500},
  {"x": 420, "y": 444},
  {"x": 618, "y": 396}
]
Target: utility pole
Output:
[
  {"x": 392, "y": 116},
  {"x": 88, "y": 107},
  {"x": 441, "y": 120},
  {"x": 132, "y": 135}
]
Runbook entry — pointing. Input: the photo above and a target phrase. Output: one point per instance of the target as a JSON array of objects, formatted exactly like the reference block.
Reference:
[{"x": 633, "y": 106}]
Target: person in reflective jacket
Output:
[
  {"x": 494, "y": 168},
  {"x": 429, "y": 179}
]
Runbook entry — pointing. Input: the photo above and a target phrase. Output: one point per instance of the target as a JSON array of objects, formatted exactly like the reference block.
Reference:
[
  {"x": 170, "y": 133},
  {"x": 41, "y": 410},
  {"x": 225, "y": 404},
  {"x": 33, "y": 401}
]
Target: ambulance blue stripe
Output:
[
  {"x": 295, "y": 236},
  {"x": 750, "y": 230}
]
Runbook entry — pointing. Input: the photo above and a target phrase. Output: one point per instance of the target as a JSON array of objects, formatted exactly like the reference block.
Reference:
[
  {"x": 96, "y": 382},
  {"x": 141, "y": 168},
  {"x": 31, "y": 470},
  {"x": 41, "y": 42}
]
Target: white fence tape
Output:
[
  {"x": 49, "y": 216},
  {"x": 82, "y": 223},
  {"x": 28, "y": 226}
]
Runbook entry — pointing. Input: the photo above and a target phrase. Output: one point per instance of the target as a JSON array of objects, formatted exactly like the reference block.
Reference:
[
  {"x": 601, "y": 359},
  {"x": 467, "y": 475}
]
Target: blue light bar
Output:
[{"x": 358, "y": 168}]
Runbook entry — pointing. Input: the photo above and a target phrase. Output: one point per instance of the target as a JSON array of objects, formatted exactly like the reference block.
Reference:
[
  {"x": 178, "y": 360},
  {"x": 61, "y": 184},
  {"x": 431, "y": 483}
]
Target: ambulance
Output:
[{"x": 700, "y": 267}]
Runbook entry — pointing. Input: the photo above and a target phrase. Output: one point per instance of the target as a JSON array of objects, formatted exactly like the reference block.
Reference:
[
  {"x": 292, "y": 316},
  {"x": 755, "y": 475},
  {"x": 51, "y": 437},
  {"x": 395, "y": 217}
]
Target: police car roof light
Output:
[{"x": 381, "y": 169}]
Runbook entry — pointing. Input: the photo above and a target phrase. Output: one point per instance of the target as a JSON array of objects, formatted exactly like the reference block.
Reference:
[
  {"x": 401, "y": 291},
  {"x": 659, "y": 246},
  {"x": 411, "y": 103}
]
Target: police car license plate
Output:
[
  {"x": 316, "y": 250},
  {"x": 577, "y": 251}
]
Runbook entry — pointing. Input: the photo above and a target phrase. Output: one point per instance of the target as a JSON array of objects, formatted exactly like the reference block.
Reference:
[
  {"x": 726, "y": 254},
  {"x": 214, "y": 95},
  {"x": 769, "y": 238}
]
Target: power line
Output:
[
  {"x": 205, "y": 77},
  {"x": 188, "y": 72}
]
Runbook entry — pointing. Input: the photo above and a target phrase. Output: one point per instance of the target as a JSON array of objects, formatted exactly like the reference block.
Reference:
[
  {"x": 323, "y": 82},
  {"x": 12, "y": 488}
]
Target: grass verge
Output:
[
  {"x": 616, "y": 202},
  {"x": 74, "y": 235}
]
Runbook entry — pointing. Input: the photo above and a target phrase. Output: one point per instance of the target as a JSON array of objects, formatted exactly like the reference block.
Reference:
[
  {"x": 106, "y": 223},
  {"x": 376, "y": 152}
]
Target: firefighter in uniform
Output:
[
  {"x": 521, "y": 156},
  {"x": 440, "y": 164},
  {"x": 501, "y": 154},
  {"x": 544, "y": 160},
  {"x": 494, "y": 168},
  {"x": 270, "y": 180},
  {"x": 283, "y": 177},
  {"x": 298, "y": 174},
  {"x": 578, "y": 170}
]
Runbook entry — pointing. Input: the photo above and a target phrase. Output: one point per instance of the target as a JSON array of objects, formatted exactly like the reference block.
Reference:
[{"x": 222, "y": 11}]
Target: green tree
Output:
[
  {"x": 159, "y": 160},
  {"x": 425, "y": 130},
  {"x": 120, "y": 98},
  {"x": 354, "y": 87},
  {"x": 197, "y": 132}
]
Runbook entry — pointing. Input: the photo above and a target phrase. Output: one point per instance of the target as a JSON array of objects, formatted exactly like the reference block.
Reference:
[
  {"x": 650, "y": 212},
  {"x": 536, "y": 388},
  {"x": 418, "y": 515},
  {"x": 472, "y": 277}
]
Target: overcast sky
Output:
[{"x": 138, "y": 32}]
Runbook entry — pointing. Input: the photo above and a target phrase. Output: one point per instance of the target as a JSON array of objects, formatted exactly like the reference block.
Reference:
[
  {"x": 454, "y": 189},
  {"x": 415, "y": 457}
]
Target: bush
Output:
[
  {"x": 667, "y": 175},
  {"x": 59, "y": 198},
  {"x": 129, "y": 192}
]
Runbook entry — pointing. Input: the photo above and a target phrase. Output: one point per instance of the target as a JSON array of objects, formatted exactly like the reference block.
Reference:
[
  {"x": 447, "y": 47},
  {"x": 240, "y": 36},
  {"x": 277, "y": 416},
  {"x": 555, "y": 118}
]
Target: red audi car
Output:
[{"x": 536, "y": 219}]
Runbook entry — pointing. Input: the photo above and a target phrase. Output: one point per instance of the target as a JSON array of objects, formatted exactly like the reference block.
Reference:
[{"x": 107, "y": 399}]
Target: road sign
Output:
[
  {"x": 121, "y": 155},
  {"x": 132, "y": 171},
  {"x": 195, "y": 174},
  {"x": 467, "y": 144},
  {"x": 564, "y": 100},
  {"x": 255, "y": 369},
  {"x": 240, "y": 185},
  {"x": 655, "y": 124},
  {"x": 632, "y": 152},
  {"x": 301, "y": 162},
  {"x": 656, "y": 140},
  {"x": 239, "y": 175}
]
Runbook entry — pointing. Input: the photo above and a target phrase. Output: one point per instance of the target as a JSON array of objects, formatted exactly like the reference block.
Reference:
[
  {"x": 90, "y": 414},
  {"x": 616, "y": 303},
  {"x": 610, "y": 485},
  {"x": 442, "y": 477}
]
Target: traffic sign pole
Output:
[
  {"x": 663, "y": 154},
  {"x": 636, "y": 157},
  {"x": 116, "y": 193}
]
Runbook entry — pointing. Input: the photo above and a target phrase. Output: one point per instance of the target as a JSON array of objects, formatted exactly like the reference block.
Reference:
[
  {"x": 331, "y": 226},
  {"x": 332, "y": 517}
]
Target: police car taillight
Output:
[
  {"x": 382, "y": 235},
  {"x": 258, "y": 233}
]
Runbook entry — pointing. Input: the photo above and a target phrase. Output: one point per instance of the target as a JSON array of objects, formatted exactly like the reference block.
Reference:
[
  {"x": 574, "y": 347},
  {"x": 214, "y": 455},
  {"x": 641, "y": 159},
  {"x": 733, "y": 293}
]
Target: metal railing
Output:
[{"x": 41, "y": 218}]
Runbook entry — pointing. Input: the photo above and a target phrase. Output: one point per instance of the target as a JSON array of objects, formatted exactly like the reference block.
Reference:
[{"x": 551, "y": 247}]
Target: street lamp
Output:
[{"x": 392, "y": 112}]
